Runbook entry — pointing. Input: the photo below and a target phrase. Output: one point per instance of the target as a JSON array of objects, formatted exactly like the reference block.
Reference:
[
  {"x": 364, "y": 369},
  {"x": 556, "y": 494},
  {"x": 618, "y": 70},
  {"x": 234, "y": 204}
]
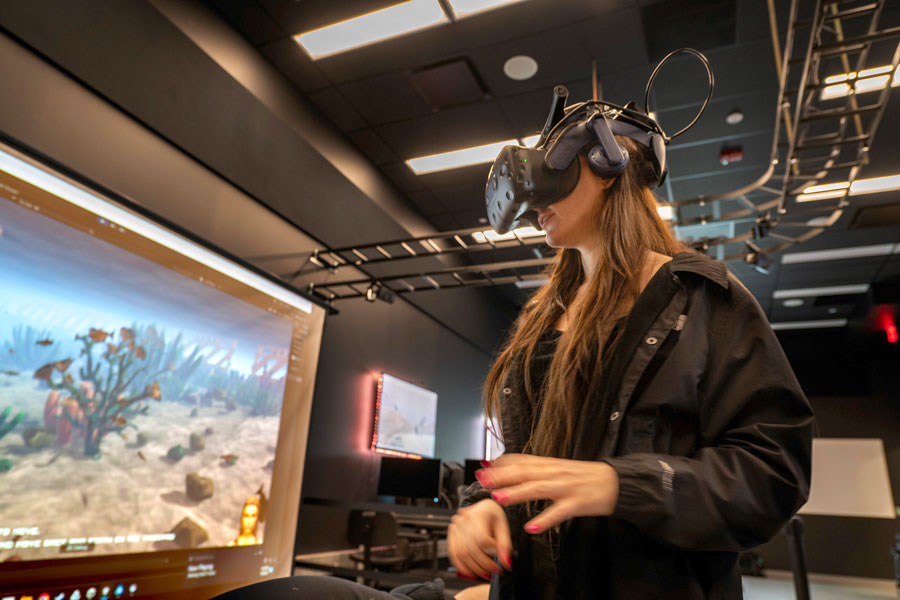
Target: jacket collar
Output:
[{"x": 692, "y": 262}]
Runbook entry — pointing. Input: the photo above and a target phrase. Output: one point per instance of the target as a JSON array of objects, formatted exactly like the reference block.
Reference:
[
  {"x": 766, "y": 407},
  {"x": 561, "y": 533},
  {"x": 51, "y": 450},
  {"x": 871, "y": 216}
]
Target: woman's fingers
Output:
[
  {"x": 478, "y": 549},
  {"x": 555, "y": 514},
  {"x": 504, "y": 541},
  {"x": 532, "y": 490}
]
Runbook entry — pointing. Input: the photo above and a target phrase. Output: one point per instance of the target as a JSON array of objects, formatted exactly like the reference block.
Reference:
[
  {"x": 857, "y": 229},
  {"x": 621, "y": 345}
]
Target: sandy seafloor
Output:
[{"x": 121, "y": 494}]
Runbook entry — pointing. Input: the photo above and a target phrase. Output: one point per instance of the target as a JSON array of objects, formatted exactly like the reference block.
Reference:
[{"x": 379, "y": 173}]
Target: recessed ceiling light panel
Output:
[
  {"x": 464, "y": 8},
  {"x": 372, "y": 27},
  {"x": 520, "y": 67}
]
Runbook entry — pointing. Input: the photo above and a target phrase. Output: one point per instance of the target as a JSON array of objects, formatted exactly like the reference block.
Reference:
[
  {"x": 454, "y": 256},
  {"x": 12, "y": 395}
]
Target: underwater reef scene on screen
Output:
[{"x": 139, "y": 408}]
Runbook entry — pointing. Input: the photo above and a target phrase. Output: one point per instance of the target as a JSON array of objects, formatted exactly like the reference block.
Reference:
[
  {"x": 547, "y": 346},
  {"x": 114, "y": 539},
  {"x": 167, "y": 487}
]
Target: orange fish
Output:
[
  {"x": 44, "y": 343},
  {"x": 139, "y": 352},
  {"x": 62, "y": 365},
  {"x": 230, "y": 458},
  {"x": 155, "y": 392},
  {"x": 141, "y": 455},
  {"x": 125, "y": 334},
  {"x": 98, "y": 335},
  {"x": 69, "y": 379},
  {"x": 112, "y": 348},
  {"x": 124, "y": 435},
  {"x": 119, "y": 421},
  {"x": 12, "y": 350},
  {"x": 44, "y": 372}
]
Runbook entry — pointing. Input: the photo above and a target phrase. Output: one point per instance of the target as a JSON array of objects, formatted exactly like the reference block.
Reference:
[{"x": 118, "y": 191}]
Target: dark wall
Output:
[
  {"x": 122, "y": 96},
  {"x": 854, "y": 389}
]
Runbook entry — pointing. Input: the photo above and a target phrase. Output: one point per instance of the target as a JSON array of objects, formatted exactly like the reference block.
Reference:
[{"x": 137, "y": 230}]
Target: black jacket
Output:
[{"x": 709, "y": 433}]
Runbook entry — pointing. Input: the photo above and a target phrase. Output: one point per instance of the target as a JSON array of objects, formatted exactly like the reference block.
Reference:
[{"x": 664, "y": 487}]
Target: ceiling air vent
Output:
[
  {"x": 882, "y": 215},
  {"x": 448, "y": 83}
]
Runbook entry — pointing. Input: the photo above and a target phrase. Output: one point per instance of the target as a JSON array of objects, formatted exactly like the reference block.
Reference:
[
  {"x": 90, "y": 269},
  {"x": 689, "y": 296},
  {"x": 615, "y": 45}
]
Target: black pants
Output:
[{"x": 331, "y": 588}]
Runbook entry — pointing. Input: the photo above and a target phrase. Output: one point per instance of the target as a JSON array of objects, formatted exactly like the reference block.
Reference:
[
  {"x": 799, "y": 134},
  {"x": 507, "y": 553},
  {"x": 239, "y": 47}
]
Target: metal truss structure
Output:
[{"x": 823, "y": 131}]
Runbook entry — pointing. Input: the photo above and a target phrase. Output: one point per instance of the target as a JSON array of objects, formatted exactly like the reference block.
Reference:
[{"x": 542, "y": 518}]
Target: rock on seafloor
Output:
[
  {"x": 38, "y": 437},
  {"x": 176, "y": 453},
  {"x": 197, "y": 442},
  {"x": 189, "y": 534},
  {"x": 198, "y": 487}
]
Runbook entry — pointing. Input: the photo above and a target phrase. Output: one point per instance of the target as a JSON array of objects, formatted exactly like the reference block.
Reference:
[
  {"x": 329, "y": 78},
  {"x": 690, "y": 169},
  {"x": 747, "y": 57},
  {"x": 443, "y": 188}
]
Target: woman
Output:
[{"x": 653, "y": 427}]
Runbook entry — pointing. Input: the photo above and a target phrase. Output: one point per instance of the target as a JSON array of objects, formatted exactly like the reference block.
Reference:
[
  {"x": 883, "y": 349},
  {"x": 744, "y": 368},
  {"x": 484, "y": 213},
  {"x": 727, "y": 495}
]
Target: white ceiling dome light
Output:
[{"x": 520, "y": 67}]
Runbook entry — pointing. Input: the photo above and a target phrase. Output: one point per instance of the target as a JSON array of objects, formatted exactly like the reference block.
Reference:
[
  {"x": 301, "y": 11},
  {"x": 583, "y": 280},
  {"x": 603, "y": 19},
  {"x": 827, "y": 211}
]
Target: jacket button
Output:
[
  {"x": 651, "y": 341},
  {"x": 507, "y": 391},
  {"x": 614, "y": 416}
]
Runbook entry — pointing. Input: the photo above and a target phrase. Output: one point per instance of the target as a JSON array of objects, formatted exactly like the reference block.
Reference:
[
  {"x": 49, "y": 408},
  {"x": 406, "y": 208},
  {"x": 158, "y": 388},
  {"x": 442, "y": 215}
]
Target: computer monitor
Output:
[
  {"x": 155, "y": 395},
  {"x": 409, "y": 477},
  {"x": 405, "y": 417}
]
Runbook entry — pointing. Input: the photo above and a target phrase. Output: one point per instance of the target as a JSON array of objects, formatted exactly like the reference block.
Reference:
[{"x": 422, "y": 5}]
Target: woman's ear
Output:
[{"x": 606, "y": 183}]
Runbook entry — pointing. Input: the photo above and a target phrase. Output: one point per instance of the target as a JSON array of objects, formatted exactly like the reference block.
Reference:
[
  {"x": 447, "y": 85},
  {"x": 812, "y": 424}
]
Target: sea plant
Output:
[
  {"x": 107, "y": 402},
  {"x": 27, "y": 348},
  {"x": 8, "y": 425}
]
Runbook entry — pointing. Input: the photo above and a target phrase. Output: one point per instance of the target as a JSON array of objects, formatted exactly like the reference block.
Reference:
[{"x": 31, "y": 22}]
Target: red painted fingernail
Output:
[
  {"x": 499, "y": 497},
  {"x": 486, "y": 464},
  {"x": 486, "y": 576},
  {"x": 467, "y": 577},
  {"x": 484, "y": 479},
  {"x": 532, "y": 528},
  {"x": 507, "y": 561}
]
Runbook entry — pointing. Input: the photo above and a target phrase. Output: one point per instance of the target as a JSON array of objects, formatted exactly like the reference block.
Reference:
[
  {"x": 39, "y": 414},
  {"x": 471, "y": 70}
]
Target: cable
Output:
[{"x": 712, "y": 83}]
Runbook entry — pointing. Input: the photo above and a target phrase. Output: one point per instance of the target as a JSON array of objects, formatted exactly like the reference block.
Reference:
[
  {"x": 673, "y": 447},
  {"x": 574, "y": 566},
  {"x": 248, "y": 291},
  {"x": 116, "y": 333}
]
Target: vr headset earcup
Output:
[{"x": 599, "y": 163}]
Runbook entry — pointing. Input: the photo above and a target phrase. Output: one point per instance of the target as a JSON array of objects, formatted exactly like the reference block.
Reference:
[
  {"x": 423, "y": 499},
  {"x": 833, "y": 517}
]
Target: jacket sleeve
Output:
[
  {"x": 753, "y": 471},
  {"x": 472, "y": 494}
]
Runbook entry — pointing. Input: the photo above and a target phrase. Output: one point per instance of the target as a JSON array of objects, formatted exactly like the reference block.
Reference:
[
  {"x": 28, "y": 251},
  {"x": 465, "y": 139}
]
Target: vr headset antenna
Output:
[
  {"x": 709, "y": 73},
  {"x": 557, "y": 112}
]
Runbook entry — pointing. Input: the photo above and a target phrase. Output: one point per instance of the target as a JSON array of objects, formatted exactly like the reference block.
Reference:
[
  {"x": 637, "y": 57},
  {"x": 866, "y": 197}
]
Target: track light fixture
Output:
[
  {"x": 378, "y": 291},
  {"x": 757, "y": 259}
]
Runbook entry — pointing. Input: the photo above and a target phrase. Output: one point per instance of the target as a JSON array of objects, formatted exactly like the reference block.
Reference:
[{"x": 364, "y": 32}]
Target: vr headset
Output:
[{"x": 523, "y": 179}]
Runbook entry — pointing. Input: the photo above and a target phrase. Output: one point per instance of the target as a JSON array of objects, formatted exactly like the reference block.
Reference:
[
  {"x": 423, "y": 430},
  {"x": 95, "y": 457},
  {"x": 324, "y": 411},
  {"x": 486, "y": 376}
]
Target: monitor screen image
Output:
[
  {"x": 405, "y": 417},
  {"x": 409, "y": 477},
  {"x": 154, "y": 394}
]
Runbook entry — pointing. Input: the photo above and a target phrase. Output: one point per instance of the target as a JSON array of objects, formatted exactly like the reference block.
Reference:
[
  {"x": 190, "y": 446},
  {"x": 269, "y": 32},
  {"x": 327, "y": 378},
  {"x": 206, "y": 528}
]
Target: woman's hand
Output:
[
  {"x": 476, "y": 534},
  {"x": 577, "y": 488}
]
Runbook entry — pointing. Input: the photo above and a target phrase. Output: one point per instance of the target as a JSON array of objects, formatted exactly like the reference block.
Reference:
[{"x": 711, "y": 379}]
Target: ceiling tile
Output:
[
  {"x": 337, "y": 109},
  {"x": 372, "y": 146},
  {"x": 426, "y": 202},
  {"x": 384, "y": 98},
  {"x": 447, "y": 130},
  {"x": 294, "y": 64},
  {"x": 250, "y": 19},
  {"x": 402, "y": 177}
]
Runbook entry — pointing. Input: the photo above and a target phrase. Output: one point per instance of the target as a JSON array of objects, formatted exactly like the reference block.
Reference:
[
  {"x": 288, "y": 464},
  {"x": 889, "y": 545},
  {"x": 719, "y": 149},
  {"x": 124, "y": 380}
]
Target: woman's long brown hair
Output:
[{"x": 628, "y": 227}]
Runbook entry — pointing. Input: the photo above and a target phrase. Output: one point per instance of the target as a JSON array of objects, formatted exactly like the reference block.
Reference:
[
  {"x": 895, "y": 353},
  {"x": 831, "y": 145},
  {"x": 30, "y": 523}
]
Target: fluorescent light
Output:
[
  {"x": 860, "y": 186},
  {"x": 143, "y": 227},
  {"x": 876, "y": 184},
  {"x": 531, "y": 140},
  {"x": 492, "y": 236},
  {"x": 371, "y": 27},
  {"x": 868, "y": 80},
  {"x": 820, "y": 324},
  {"x": 530, "y": 283},
  {"x": 839, "y": 253},
  {"x": 827, "y": 187},
  {"x": 793, "y": 302},
  {"x": 464, "y": 8},
  {"x": 820, "y": 196},
  {"x": 833, "y": 290},
  {"x": 665, "y": 212},
  {"x": 458, "y": 158}
]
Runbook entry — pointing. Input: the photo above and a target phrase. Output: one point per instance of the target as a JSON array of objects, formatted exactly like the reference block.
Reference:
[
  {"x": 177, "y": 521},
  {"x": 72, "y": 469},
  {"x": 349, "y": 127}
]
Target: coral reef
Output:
[
  {"x": 7, "y": 426},
  {"x": 168, "y": 359},
  {"x": 104, "y": 400}
]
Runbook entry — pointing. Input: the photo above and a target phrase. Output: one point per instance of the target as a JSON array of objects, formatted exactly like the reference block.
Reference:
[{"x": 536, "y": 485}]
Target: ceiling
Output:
[{"x": 443, "y": 89}]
